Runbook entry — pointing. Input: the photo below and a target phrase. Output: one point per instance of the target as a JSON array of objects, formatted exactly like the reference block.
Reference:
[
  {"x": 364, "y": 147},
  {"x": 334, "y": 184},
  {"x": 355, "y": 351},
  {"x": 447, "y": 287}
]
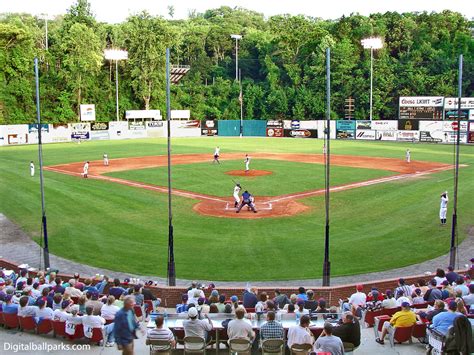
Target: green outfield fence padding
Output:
[
  {"x": 229, "y": 128},
  {"x": 255, "y": 128}
]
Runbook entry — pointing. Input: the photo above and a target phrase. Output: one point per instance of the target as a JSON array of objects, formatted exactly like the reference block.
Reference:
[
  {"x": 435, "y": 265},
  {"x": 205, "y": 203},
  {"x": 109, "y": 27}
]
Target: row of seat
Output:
[{"x": 400, "y": 334}]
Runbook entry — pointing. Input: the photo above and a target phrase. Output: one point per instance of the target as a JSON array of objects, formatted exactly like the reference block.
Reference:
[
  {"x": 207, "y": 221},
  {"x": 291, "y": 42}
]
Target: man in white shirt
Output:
[
  {"x": 61, "y": 314},
  {"x": 300, "y": 334},
  {"x": 72, "y": 290},
  {"x": 357, "y": 300},
  {"x": 32, "y": 169},
  {"x": 109, "y": 310},
  {"x": 194, "y": 327},
  {"x": 24, "y": 310},
  {"x": 85, "y": 170},
  {"x": 239, "y": 328},
  {"x": 43, "y": 312},
  {"x": 90, "y": 322},
  {"x": 193, "y": 290}
]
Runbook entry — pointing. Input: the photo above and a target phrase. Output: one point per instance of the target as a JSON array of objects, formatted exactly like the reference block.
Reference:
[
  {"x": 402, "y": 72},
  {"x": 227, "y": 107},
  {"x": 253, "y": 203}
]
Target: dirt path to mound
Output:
[{"x": 276, "y": 206}]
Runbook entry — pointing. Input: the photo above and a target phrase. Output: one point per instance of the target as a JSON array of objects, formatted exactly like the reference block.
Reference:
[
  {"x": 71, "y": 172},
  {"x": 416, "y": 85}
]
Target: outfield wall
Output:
[{"x": 390, "y": 130}]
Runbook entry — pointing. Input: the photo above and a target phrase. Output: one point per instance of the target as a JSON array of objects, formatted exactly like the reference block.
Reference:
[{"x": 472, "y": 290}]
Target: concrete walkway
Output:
[{"x": 18, "y": 247}]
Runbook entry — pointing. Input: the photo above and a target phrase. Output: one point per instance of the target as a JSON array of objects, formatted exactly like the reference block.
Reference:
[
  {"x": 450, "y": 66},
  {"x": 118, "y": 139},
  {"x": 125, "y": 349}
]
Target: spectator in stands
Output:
[
  {"x": 374, "y": 300},
  {"x": 302, "y": 294},
  {"x": 137, "y": 293},
  {"x": 469, "y": 299},
  {"x": 94, "y": 302},
  {"x": 271, "y": 329},
  {"x": 82, "y": 304},
  {"x": 22, "y": 278},
  {"x": 72, "y": 289},
  {"x": 300, "y": 334},
  {"x": 35, "y": 292},
  {"x": 404, "y": 318},
  {"x": 196, "y": 327},
  {"x": 433, "y": 293},
  {"x": 261, "y": 306},
  {"x": 8, "y": 306},
  {"x": 402, "y": 286},
  {"x": 90, "y": 321},
  {"x": 327, "y": 342},
  {"x": 221, "y": 304},
  {"x": 301, "y": 310},
  {"x": 417, "y": 297},
  {"x": 202, "y": 307},
  {"x": 461, "y": 286},
  {"x": 401, "y": 298},
  {"x": 182, "y": 307},
  {"x": 322, "y": 306},
  {"x": 73, "y": 320},
  {"x": 451, "y": 275},
  {"x": 249, "y": 298},
  {"x": 160, "y": 332},
  {"x": 101, "y": 285},
  {"x": 24, "y": 310},
  {"x": 440, "y": 277},
  {"x": 271, "y": 307},
  {"x": 57, "y": 299},
  {"x": 348, "y": 330},
  {"x": 293, "y": 300},
  {"x": 213, "y": 308},
  {"x": 125, "y": 326},
  {"x": 421, "y": 284},
  {"x": 116, "y": 290},
  {"x": 356, "y": 301},
  {"x": 311, "y": 304},
  {"x": 62, "y": 314},
  {"x": 43, "y": 312},
  {"x": 291, "y": 308},
  {"x": 79, "y": 285},
  {"x": 58, "y": 288},
  {"x": 192, "y": 293},
  {"x": 89, "y": 287},
  {"x": 109, "y": 310},
  {"x": 281, "y": 299},
  {"x": 461, "y": 308},
  {"x": 447, "y": 290},
  {"x": 238, "y": 328},
  {"x": 443, "y": 320},
  {"x": 228, "y": 311},
  {"x": 214, "y": 297},
  {"x": 437, "y": 308},
  {"x": 235, "y": 302}
]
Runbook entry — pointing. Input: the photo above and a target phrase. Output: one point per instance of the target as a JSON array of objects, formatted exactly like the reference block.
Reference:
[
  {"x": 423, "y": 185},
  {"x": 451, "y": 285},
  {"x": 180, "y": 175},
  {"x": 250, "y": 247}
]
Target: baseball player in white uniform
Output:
[
  {"x": 443, "y": 209},
  {"x": 32, "y": 169},
  {"x": 216, "y": 155},
  {"x": 85, "y": 170},
  {"x": 247, "y": 162},
  {"x": 236, "y": 195},
  {"x": 106, "y": 159},
  {"x": 408, "y": 156}
]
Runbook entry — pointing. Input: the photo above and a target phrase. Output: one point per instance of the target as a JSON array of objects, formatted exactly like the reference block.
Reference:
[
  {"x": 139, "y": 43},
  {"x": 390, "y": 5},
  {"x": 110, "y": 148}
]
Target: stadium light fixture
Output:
[
  {"x": 116, "y": 55},
  {"x": 372, "y": 43}
]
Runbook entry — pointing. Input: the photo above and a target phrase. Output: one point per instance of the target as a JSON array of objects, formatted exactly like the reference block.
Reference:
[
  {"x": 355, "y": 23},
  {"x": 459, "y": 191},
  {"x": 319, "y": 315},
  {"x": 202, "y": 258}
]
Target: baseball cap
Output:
[
  {"x": 405, "y": 304},
  {"x": 192, "y": 312},
  {"x": 445, "y": 283},
  {"x": 234, "y": 298},
  {"x": 184, "y": 297},
  {"x": 64, "y": 304}
]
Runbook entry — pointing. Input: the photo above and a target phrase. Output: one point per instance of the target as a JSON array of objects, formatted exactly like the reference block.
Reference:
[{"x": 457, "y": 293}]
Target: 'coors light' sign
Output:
[{"x": 421, "y": 108}]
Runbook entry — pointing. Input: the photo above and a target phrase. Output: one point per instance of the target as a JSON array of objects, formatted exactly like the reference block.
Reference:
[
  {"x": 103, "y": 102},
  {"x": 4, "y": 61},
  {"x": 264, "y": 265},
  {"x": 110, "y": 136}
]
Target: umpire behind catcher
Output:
[{"x": 247, "y": 200}]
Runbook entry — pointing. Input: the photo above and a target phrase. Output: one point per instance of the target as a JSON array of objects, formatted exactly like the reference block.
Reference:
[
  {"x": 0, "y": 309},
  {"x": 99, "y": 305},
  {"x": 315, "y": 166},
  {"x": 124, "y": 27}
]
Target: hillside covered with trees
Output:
[{"x": 282, "y": 61}]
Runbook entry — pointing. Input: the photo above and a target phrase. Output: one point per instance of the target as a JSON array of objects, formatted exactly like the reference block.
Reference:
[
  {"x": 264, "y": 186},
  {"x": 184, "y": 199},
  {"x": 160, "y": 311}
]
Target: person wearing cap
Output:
[
  {"x": 62, "y": 314},
  {"x": 356, "y": 301},
  {"x": 404, "y": 318},
  {"x": 443, "y": 208},
  {"x": 417, "y": 297},
  {"x": 126, "y": 325},
  {"x": 402, "y": 298},
  {"x": 183, "y": 306},
  {"x": 240, "y": 329},
  {"x": 443, "y": 320},
  {"x": 247, "y": 200},
  {"x": 197, "y": 327},
  {"x": 300, "y": 333},
  {"x": 327, "y": 342},
  {"x": 236, "y": 195},
  {"x": 348, "y": 330},
  {"x": 9, "y": 307},
  {"x": 469, "y": 299}
]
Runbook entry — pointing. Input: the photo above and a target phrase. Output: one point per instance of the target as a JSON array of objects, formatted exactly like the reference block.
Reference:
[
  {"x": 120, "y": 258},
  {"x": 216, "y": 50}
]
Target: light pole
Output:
[
  {"x": 116, "y": 54},
  {"x": 371, "y": 43},
  {"x": 238, "y": 78}
]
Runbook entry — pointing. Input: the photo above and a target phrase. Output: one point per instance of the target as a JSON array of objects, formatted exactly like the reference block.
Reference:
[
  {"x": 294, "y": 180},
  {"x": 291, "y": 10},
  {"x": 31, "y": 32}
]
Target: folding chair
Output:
[
  {"x": 194, "y": 345},
  {"x": 98, "y": 336},
  {"x": 27, "y": 323},
  {"x": 159, "y": 346},
  {"x": 11, "y": 320},
  {"x": 240, "y": 346},
  {"x": 368, "y": 317},
  {"x": 299, "y": 349},
  {"x": 400, "y": 335},
  {"x": 59, "y": 328},
  {"x": 273, "y": 346},
  {"x": 45, "y": 326}
]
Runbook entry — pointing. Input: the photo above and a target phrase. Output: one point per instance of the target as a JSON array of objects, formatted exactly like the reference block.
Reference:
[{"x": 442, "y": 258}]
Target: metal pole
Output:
[
  {"x": 46, "y": 30},
  {"x": 452, "y": 251},
  {"x": 40, "y": 157},
  {"x": 241, "y": 99},
  {"x": 327, "y": 264},
  {"x": 371, "y": 78},
  {"x": 171, "y": 266},
  {"x": 236, "y": 58},
  {"x": 116, "y": 90}
]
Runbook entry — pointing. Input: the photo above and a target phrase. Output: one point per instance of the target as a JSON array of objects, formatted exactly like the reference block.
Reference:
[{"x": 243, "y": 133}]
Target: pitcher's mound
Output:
[{"x": 249, "y": 173}]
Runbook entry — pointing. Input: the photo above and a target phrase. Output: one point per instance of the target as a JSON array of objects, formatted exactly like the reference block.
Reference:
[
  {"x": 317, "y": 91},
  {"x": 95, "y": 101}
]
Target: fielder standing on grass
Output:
[
  {"x": 237, "y": 189},
  {"x": 443, "y": 209},
  {"x": 85, "y": 170},
  {"x": 32, "y": 169},
  {"x": 247, "y": 162},
  {"x": 106, "y": 159},
  {"x": 216, "y": 155},
  {"x": 408, "y": 156}
]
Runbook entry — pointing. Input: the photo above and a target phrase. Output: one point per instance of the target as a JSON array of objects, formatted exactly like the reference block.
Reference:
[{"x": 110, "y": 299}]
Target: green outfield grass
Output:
[
  {"x": 123, "y": 228},
  {"x": 288, "y": 177}
]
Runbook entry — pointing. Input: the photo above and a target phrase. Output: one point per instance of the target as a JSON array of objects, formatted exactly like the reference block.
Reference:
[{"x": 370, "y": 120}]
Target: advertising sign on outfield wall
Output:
[
  {"x": 451, "y": 108},
  {"x": 180, "y": 114},
  {"x": 431, "y": 137},
  {"x": 364, "y": 124},
  {"x": 209, "y": 128},
  {"x": 453, "y": 126},
  {"x": 136, "y": 126},
  {"x": 431, "y": 126},
  {"x": 100, "y": 131},
  {"x": 366, "y": 134},
  {"x": 309, "y": 124},
  {"x": 470, "y": 137},
  {"x": 87, "y": 112},
  {"x": 391, "y": 125},
  {"x": 471, "y": 126},
  {"x": 345, "y": 129},
  {"x": 190, "y": 124},
  {"x": 386, "y": 135},
  {"x": 421, "y": 107},
  {"x": 408, "y": 136},
  {"x": 275, "y": 128},
  {"x": 80, "y": 130},
  {"x": 118, "y": 129},
  {"x": 300, "y": 133},
  {"x": 408, "y": 125},
  {"x": 451, "y": 137},
  {"x": 143, "y": 114},
  {"x": 60, "y": 132},
  {"x": 33, "y": 133}
]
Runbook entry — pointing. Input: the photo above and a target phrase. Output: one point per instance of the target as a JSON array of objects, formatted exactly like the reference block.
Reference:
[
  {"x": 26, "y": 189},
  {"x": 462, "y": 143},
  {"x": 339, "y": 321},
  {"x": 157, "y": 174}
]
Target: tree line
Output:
[{"x": 281, "y": 58}]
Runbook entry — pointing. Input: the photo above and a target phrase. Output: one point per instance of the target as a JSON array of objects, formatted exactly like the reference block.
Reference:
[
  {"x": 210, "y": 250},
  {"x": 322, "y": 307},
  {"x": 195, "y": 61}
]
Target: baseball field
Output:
[{"x": 384, "y": 212}]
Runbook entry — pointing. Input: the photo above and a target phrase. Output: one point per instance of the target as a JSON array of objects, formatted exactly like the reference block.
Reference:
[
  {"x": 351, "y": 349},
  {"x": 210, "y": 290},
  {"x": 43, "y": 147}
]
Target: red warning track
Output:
[{"x": 276, "y": 206}]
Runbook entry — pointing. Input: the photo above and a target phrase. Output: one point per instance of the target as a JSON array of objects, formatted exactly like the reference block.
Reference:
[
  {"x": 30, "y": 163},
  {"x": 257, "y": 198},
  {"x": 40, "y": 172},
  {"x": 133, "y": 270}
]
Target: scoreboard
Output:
[{"x": 421, "y": 108}]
